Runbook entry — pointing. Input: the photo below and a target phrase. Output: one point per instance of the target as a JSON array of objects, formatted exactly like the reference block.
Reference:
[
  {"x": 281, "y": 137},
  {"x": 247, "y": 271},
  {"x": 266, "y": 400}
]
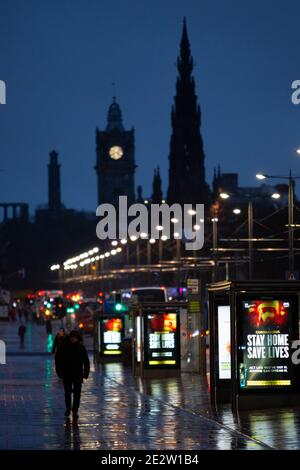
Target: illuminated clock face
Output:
[{"x": 116, "y": 152}]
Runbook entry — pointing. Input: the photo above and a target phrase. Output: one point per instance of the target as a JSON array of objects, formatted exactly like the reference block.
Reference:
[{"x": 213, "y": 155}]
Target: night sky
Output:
[{"x": 59, "y": 59}]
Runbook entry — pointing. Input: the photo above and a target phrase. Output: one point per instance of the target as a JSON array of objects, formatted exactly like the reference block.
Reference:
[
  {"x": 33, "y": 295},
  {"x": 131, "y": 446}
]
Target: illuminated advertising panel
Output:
[
  {"x": 162, "y": 347},
  {"x": 112, "y": 335},
  {"x": 224, "y": 342},
  {"x": 138, "y": 339},
  {"x": 266, "y": 339}
]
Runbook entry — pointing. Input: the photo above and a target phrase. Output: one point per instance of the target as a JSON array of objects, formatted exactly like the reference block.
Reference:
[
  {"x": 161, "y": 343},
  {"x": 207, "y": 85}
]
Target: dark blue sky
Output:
[{"x": 59, "y": 58}]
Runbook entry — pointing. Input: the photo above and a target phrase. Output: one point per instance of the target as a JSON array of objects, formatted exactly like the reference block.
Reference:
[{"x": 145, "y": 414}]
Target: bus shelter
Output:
[
  {"x": 108, "y": 336},
  {"x": 156, "y": 339},
  {"x": 254, "y": 338}
]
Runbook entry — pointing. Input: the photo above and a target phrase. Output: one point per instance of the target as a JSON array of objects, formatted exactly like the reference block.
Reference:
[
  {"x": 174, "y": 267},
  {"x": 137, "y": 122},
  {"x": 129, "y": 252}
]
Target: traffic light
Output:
[
  {"x": 100, "y": 298},
  {"x": 118, "y": 302},
  {"x": 30, "y": 299}
]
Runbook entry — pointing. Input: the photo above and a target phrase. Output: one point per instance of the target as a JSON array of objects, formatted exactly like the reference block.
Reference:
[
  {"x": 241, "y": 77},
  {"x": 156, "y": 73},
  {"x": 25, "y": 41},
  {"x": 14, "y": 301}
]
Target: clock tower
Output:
[{"x": 115, "y": 165}]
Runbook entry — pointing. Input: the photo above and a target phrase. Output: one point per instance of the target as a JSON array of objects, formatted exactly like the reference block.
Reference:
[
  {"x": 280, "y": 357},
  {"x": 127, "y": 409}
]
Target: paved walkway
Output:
[
  {"x": 112, "y": 415},
  {"x": 37, "y": 341},
  {"x": 120, "y": 412}
]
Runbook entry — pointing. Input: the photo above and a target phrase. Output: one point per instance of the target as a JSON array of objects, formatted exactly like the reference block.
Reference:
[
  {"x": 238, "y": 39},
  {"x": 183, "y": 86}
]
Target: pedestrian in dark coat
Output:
[{"x": 72, "y": 365}]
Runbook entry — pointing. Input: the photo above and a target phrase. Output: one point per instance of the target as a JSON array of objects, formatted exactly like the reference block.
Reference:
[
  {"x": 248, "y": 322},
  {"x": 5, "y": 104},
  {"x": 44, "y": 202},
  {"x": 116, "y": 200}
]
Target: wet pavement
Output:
[
  {"x": 36, "y": 342},
  {"x": 119, "y": 411}
]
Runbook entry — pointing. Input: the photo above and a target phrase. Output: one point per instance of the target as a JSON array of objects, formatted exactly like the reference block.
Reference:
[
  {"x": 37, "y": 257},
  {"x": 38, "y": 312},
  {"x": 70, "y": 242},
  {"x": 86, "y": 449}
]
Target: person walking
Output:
[
  {"x": 21, "y": 333},
  {"x": 72, "y": 365},
  {"x": 58, "y": 340}
]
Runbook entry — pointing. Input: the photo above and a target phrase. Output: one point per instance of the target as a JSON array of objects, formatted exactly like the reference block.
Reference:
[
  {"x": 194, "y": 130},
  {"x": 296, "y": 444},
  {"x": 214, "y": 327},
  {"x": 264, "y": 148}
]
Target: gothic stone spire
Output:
[{"x": 186, "y": 158}]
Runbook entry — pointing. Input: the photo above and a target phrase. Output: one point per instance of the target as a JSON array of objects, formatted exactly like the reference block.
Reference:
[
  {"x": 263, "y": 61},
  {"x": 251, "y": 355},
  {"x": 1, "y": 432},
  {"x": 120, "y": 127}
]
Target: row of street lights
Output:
[
  {"x": 291, "y": 187},
  {"x": 223, "y": 195},
  {"x": 291, "y": 179},
  {"x": 238, "y": 211}
]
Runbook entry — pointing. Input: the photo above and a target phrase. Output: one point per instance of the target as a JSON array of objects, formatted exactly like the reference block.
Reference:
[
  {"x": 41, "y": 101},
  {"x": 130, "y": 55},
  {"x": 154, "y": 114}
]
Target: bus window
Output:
[{"x": 150, "y": 294}]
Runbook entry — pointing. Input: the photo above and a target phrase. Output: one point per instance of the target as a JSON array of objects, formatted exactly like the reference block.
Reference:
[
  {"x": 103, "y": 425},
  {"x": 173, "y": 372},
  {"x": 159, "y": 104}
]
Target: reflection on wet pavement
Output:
[
  {"x": 279, "y": 428},
  {"x": 112, "y": 416}
]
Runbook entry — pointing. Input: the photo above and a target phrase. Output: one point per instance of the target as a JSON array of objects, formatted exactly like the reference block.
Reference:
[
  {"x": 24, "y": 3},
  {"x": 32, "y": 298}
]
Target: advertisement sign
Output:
[
  {"x": 224, "y": 342},
  {"x": 266, "y": 340},
  {"x": 112, "y": 335},
  {"x": 162, "y": 339},
  {"x": 138, "y": 338},
  {"x": 193, "y": 286}
]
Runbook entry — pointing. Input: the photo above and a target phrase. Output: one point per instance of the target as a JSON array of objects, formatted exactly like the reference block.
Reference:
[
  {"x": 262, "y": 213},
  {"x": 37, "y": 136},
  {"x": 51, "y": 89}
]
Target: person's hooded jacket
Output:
[{"x": 71, "y": 360}]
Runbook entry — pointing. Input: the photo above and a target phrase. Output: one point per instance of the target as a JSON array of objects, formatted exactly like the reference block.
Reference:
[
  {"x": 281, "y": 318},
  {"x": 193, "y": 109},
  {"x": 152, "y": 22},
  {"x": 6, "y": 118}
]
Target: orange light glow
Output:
[
  {"x": 114, "y": 324},
  {"x": 75, "y": 297}
]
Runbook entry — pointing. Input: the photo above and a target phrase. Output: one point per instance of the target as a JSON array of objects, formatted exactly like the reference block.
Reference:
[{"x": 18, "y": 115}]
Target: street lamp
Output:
[
  {"x": 260, "y": 176},
  {"x": 237, "y": 211},
  {"x": 192, "y": 212},
  {"x": 291, "y": 179},
  {"x": 215, "y": 245},
  {"x": 250, "y": 237},
  {"x": 224, "y": 195}
]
